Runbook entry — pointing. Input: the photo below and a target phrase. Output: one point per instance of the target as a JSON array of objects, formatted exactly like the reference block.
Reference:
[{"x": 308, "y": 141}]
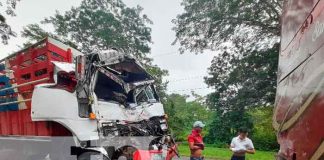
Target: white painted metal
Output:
[
  {"x": 51, "y": 104},
  {"x": 62, "y": 66},
  {"x": 109, "y": 111}
]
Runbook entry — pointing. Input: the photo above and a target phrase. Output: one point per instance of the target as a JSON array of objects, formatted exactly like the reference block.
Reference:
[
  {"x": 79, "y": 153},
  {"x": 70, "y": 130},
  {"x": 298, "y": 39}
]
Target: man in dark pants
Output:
[
  {"x": 195, "y": 141},
  {"x": 241, "y": 145}
]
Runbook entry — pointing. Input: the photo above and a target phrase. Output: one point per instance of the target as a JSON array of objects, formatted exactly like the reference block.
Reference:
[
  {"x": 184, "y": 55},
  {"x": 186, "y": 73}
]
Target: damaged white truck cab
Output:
[{"x": 100, "y": 97}]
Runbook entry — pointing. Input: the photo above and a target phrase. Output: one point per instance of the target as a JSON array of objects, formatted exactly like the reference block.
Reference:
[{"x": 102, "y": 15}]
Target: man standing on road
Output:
[
  {"x": 241, "y": 145},
  {"x": 195, "y": 140}
]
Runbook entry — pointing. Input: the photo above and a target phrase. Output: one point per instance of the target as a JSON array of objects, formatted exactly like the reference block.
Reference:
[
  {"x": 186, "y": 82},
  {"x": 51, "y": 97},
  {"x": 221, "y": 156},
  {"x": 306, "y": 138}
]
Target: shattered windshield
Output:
[
  {"x": 107, "y": 89},
  {"x": 141, "y": 97},
  {"x": 145, "y": 94}
]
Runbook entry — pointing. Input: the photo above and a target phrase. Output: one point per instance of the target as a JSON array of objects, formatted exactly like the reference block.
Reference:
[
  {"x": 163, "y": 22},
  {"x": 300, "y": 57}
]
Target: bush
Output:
[
  {"x": 265, "y": 141},
  {"x": 263, "y": 135}
]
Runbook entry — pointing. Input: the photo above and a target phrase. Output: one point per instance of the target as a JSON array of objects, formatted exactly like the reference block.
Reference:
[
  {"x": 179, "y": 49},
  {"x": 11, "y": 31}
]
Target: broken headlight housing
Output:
[{"x": 155, "y": 126}]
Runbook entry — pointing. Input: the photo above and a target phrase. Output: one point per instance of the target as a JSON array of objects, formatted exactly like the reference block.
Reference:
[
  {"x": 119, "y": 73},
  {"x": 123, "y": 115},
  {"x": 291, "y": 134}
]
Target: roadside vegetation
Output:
[
  {"x": 245, "y": 36},
  {"x": 183, "y": 114},
  {"x": 213, "y": 153}
]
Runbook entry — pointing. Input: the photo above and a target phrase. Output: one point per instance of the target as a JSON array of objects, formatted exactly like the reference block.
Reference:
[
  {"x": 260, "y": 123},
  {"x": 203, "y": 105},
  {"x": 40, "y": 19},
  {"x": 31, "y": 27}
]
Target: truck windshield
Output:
[
  {"x": 108, "y": 90},
  {"x": 145, "y": 94}
]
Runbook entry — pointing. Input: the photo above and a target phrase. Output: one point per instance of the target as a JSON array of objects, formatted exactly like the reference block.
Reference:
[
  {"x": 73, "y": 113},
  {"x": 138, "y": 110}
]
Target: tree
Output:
[
  {"x": 223, "y": 126},
  {"x": 251, "y": 83},
  {"x": 243, "y": 72},
  {"x": 5, "y": 29},
  {"x": 183, "y": 114},
  {"x": 246, "y": 33},
  {"x": 98, "y": 25},
  {"x": 208, "y": 24},
  {"x": 264, "y": 136}
]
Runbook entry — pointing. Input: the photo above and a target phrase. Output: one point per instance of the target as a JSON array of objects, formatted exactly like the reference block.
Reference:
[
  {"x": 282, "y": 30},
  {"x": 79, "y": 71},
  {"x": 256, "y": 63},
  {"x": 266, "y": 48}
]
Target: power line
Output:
[
  {"x": 185, "y": 79},
  {"x": 192, "y": 89}
]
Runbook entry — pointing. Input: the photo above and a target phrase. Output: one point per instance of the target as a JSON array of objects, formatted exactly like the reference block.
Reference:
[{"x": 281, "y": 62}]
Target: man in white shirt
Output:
[{"x": 241, "y": 145}]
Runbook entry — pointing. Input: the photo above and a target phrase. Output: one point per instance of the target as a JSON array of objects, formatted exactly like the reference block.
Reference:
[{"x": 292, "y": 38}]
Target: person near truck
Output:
[
  {"x": 241, "y": 145},
  {"x": 195, "y": 140}
]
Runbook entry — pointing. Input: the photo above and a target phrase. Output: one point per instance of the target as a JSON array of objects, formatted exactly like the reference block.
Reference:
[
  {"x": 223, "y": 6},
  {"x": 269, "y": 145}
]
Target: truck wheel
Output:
[
  {"x": 111, "y": 151},
  {"x": 92, "y": 156}
]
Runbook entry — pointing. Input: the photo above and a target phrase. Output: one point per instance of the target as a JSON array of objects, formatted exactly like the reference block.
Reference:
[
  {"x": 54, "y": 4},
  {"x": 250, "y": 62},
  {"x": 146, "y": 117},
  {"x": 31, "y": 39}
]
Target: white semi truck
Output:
[{"x": 99, "y": 105}]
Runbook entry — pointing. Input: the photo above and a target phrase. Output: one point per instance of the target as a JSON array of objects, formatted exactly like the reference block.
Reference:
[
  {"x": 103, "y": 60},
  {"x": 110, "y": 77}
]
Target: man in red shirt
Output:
[{"x": 195, "y": 140}]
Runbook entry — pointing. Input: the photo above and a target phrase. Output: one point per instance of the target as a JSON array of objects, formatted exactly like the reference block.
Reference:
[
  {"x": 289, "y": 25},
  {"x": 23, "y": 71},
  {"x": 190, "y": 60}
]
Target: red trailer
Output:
[
  {"x": 298, "y": 116},
  {"x": 58, "y": 103},
  {"x": 21, "y": 72}
]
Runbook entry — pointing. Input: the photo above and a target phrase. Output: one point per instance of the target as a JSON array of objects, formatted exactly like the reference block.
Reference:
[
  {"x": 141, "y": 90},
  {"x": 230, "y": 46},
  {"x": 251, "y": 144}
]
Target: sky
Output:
[{"x": 186, "y": 71}]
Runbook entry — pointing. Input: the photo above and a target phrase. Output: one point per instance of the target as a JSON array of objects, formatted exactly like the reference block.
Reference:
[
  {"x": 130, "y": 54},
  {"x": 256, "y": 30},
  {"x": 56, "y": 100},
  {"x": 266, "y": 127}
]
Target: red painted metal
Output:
[
  {"x": 145, "y": 154},
  {"x": 152, "y": 154},
  {"x": 31, "y": 64},
  {"x": 300, "y": 93}
]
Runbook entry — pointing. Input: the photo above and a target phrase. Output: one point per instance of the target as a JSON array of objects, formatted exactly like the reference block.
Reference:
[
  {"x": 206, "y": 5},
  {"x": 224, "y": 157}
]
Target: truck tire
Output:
[
  {"x": 92, "y": 156},
  {"x": 110, "y": 150}
]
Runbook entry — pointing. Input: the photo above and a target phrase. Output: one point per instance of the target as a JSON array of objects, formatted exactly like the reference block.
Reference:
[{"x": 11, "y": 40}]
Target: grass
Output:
[{"x": 225, "y": 154}]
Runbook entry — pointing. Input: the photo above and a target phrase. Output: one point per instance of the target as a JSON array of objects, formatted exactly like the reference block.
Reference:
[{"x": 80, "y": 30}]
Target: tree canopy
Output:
[
  {"x": 98, "y": 25},
  {"x": 208, "y": 24},
  {"x": 245, "y": 36},
  {"x": 250, "y": 83},
  {"x": 183, "y": 114},
  {"x": 5, "y": 29}
]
